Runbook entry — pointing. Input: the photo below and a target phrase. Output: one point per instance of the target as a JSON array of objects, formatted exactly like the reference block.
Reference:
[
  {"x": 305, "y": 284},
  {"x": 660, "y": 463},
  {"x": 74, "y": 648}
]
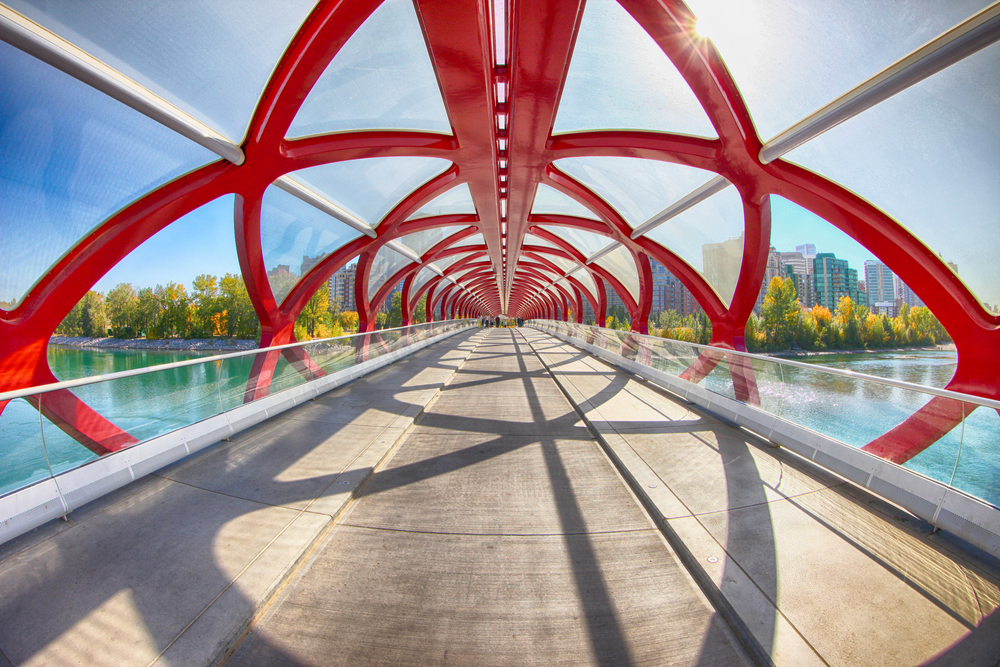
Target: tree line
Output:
[
  {"x": 784, "y": 324},
  {"x": 213, "y": 308}
]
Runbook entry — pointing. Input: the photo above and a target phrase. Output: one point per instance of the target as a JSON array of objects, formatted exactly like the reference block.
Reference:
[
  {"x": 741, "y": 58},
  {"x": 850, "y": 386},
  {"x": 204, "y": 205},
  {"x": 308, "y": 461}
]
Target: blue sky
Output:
[{"x": 203, "y": 241}]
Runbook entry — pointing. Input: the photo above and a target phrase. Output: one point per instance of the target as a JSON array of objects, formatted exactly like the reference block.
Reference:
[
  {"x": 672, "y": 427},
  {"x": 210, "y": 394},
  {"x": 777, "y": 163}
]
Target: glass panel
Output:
[
  {"x": 456, "y": 201},
  {"x": 548, "y": 273},
  {"x": 22, "y": 457},
  {"x": 421, "y": 242},
  {"x": 637, "y": 188},
  {"x": 587, "y": 280},
  {"x": 155, "y": 403},
  {"x": 457, "y": 275},
  {"x": 978, "y": 466},
  {"x": 371, "y": 187},
  {"x": 210, "y": 58},
  {"x": 475, "y": 239},
  {"x": 561, "y": 262},
  {"x": 586, "y": 242},
  {"x": 549, "y": 200},
  {"x": 382, "y": 79},
  {"x": 422, "y": 278},
  {"x": 620, "y": 264},
  {"x": 789, "y": 58},
  {"x": 70, "y": 157},
  {"x": 709, "y": 237},
  {"x": 387, "y": 262},
  {"x": 538, "y": 240},
  {"x": 619, "y": 78},
  {"x": 444, "y": 262},
  {"x": 294, "y": 237},
  {"x": 930, "y": 158}
]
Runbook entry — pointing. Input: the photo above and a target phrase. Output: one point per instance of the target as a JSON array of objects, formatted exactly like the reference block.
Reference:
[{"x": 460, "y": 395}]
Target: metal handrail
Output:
[
  {"x": 944, "y": 393},
  {"x": 94, "y": 379}
]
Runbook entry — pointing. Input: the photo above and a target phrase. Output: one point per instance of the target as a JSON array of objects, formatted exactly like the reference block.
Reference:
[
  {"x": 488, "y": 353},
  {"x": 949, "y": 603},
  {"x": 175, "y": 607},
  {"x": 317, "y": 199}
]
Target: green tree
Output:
[
  {"x": 780, "y": 313},
  {"x": 147, "y": 313},
  {"x": 395, "y": 314},
  {"x": 121, "y": 306},
  {"x": 176, "y": 314},
  {"x": 315, "y": 318},
  {"x": 206, "y": 311},
  {"x": 72, "y": 324},
  {"x": 94, "y": 320},
  {"x": 240, "y": 316},
  {"x": 419, "y": 314}
]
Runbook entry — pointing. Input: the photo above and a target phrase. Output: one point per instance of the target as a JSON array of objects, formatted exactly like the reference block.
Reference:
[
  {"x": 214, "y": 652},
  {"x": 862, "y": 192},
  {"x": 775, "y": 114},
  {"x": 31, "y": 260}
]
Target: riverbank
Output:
[
  {"x": 946, "y": 347},
  {"x": 164, "y": 344}
]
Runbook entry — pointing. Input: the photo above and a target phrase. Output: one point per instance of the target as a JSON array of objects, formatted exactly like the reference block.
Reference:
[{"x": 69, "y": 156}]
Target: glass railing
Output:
[
  {"x": 50, "y": 429},
  {"x": 947, "y": 436}
]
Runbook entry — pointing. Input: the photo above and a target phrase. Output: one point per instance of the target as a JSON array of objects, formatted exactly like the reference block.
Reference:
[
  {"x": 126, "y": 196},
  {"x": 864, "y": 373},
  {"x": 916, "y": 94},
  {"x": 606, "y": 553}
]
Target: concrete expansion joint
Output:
[{"x": 390, "y": 529}]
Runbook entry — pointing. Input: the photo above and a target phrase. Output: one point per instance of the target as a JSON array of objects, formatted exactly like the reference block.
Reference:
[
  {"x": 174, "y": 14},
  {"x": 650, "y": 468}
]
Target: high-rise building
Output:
[
  {"x": 802, "y": 273},
  {"x": 669, "y": 293},
  {"x": 833, "y": 279},
  {"x": 774, "y": 269},
  {"x": 879, "y": 280},
  {"x": 880, "y": 283},
  {"x": 862, "y": 293},
  {"x": 612, "y": 296},
  {"x": 906, "y": 295},
  {"x": 342, "y": 287},
  {"x": 808, "y": 250}
]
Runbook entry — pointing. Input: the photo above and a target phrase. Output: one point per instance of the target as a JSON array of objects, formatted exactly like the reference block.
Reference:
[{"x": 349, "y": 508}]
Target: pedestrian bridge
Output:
[{"x": 493, "y": 497}]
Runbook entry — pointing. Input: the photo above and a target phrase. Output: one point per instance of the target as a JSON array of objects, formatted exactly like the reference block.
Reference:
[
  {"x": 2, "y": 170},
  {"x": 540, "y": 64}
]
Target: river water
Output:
[{"x": 848, "y": 410}]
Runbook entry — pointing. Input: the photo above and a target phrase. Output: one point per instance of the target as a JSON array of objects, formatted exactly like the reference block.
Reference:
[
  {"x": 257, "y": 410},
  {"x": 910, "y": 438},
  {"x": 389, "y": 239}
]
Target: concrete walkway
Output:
[{"x": 498, "y": 534}]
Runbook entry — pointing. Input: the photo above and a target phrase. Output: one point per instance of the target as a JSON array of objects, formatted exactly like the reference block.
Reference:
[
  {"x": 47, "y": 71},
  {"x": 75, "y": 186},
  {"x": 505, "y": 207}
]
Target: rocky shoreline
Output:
[
  {"x": 163, "y": 344},
  {"x": 947, "y": 347}
]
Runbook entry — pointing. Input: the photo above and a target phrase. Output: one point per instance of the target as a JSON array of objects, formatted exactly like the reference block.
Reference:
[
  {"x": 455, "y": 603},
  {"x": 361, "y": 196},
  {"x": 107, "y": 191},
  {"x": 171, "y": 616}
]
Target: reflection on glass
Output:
[
  {"x": 70, "y": 157},
  {"x": 930, "y": 158},
  {"x": 620, "y": 264},
  {"x": 386, "y": 263},
  {"x": 294, "y": 237},
  {"x": 22, "y": 457},
  {"x": 709, "y": 237},
  {"x": 854, "y": 411},
  {"x": 381, "y": 79},
  {"x": 619, "y": 78}
]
